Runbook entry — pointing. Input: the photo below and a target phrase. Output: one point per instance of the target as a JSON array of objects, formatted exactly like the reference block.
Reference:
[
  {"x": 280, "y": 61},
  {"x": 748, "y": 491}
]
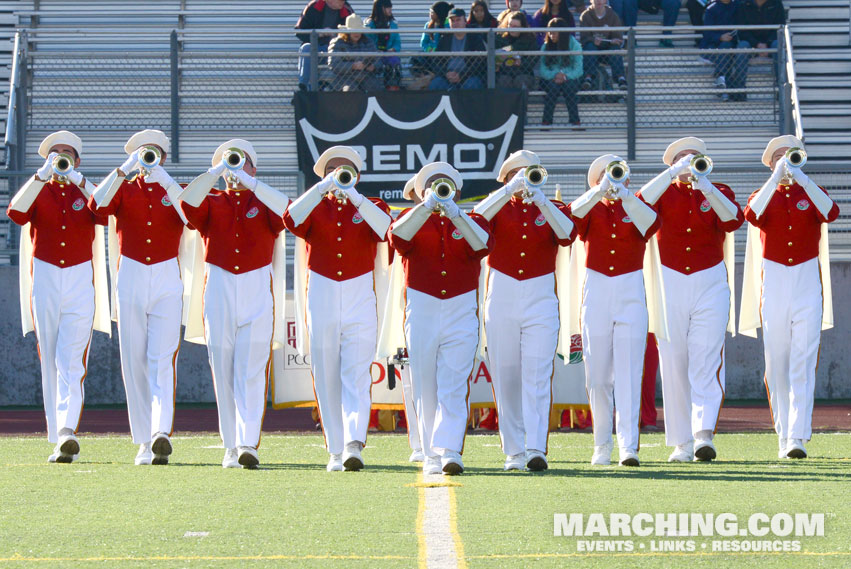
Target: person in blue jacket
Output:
[{"x": 382, "y": 19}]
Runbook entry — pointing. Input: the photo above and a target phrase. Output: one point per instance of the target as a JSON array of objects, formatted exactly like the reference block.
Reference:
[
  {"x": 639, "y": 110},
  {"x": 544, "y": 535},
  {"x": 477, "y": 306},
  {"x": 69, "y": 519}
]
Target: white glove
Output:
[
  {"x": 516, "y": 182},
  {"x": 778, "y": 172},
  {"x": 159, "y": 176},
  {"x": 354, "y": 196},
  {"x": 535, "y": 196},
  {"x": 246, "y": 180},
  {"x": 800, "y": 178},
  {"x": 604, "y": 186},
  {"x": 43, "y": 173},
  {"x": 430, "y": 202},
  {"x": 622, "y": 192},
  {"x": 704, "y": 185},
  {"x": 75, "y": 177},
  {"x": 130, "y": 164},
  {"x": 217, "y": 170},
  {"x": 451, "y": 209},
  {"x": 680, "y": 166}
]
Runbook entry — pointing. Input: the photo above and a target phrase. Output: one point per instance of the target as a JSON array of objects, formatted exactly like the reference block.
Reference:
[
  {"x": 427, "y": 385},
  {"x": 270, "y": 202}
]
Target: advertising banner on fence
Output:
[
  {"x": 397, "y": 132},
  {"x": 293, "y": 384}
]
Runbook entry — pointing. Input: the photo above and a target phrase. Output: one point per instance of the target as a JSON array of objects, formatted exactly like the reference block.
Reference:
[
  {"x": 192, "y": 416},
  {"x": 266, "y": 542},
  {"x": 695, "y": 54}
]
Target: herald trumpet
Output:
[
  {"x": 444, "y": 192},
  {"x": 344, "y": 177},
  {"x": 234, "y": 160},
  {"x": 617, "y": 172},
  {"x": 535, "y": 176},
  {"x": 795, "y": 157},
  {"x": 62, "y": 165},
  {"x": 149, "y": 158},
  {"x": 700, "y": 165}
]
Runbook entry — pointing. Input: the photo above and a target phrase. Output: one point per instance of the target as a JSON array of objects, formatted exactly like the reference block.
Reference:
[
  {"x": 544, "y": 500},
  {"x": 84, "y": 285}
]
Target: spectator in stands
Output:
[
  {"x": 353, "y": 73},
  {"x": 757, "y": 13},
  {"x": 560, "y": 74},
  {"x": 437, "y": 19},
  {"x": 696, "y": 8},
  {"x": 551, "y": 9},
  {"x": 318, "y": 15},
  {"x": 628, "y": 12},
  {"x": 727, "y": 73},
  {"x": 382, "y": 19},
  {"x": 511, "y": 6},
  {"x": 480, "y": 16},
  {"x": 516, "y": 71},
  {"x": 599, "y": 15},
  {"x": 459, "y": 72}
]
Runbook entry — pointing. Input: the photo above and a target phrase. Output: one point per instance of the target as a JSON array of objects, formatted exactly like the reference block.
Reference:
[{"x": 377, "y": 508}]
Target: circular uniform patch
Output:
[
  {"x": 357, "y": 218},
  {"x": 457, "y": 234},
  {"x": 78, "y": 204},
  {"x": 252, "y": 212},
  {"x": 540, "y": 220},
  {"x": 705, "y": 206},
  {"x": 803, "y": 205},
  {"x": 165, "y": 201},
  {"x": 627, "y": 219}
]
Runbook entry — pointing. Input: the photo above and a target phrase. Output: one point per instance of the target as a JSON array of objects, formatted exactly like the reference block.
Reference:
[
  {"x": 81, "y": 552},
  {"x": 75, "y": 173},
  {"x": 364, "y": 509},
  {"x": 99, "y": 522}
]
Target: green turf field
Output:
[{"x": 103, "y": 511}]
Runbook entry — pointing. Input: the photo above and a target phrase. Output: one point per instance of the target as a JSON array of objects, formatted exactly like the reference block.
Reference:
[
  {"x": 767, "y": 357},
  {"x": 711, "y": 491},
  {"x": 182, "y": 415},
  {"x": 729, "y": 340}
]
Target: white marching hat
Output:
[
  {"x": 787, "y": 140},
  {"x": 408, "y": 192},
  {"x": 243, "y": 145},
  {"x": 60, "y": 137},
  {"x": 598, "y": 166},
  {"x": 148, "y": 136},
  {"x": 519, "y": 159},
  {"x": 687, "y": 143},
  {"x": 346, "y": 152},
  {"x": 432, "y": 169}
]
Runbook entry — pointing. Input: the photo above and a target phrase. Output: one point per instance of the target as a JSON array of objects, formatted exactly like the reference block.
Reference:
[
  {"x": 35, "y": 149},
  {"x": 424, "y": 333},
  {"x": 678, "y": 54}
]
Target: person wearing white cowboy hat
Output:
[
  {"x": 62, "y": 282},
  {"x": 242, "y": 320},
  {"x": 351, "y": 72},
  {"x": 342, "y": 235},
  {"x": 148, "y": 225},
  {"x": 614, "y": 226},
  {"x": 696, "y": 248},
  {"x": 786, "y": 288},
  {"x": 441, "y": 249},
  {"x": 521, "y": 307}
]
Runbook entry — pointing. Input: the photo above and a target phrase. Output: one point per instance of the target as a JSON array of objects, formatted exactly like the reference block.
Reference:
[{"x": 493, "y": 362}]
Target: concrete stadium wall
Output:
[{"x": 20, "y": 379}]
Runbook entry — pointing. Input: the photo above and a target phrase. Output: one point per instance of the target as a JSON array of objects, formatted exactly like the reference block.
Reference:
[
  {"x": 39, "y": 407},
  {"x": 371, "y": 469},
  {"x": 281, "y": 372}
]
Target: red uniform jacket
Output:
[
  {"x": 691, "y": 237},
  {"x": 340, "y": 244},
  {"x": 790, "y": 225},
  {"x": 62, "y": 227},
  {"x": 239, "y": 231},
  {"x": 525, "y": 246},
  {"x": 438, "y": 261}
]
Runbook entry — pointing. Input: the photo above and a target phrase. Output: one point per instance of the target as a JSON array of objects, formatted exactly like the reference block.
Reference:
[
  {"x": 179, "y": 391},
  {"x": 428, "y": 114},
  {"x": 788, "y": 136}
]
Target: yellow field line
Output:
[
  {"x": 655, "y": 554},
  {"x": 421, "y": 542},
  {"x": 453, "y": 527}
]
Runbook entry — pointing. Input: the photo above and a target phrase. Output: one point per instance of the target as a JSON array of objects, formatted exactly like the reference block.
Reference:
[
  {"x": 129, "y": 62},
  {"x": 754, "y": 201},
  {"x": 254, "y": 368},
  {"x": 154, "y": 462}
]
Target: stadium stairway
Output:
[{"x": 822, "y": 48}]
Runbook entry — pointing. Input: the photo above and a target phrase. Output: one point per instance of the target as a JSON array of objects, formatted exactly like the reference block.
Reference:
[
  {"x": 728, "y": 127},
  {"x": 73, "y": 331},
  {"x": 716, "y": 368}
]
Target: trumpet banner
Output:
[{"x": 293, "y": 382}]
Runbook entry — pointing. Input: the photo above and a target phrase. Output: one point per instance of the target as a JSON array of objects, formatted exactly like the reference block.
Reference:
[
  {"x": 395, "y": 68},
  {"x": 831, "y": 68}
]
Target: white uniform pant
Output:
[
  {"x": 791, "y": 311},
  {"x": 442, "y": 336},
  {"x": 63, "y": 309},
  {"x": 342, "y": 323},
  {"x": 238, "y": 325},
  {"x": 692, "y": 359},
  {"x": 150, "y": 303},
  {"x": 410, "y": 409},
  {"x": 521, "y": 324},
  {"x": 614, "y": 337}
]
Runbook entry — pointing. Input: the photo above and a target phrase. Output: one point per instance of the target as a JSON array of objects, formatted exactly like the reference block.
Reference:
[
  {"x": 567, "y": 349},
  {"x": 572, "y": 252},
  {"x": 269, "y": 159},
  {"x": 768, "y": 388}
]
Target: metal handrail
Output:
[
  {"x": 790, "y": 75},
  {"x": 11, "y": 122}
]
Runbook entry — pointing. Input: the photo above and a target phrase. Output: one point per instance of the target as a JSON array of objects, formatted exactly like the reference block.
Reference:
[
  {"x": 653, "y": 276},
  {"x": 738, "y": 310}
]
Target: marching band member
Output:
[
  {"x": 62, "y": 282},
  {"x": 696, "y": 248},
  {"x": 243, "y": 251},
  {"x": 787, "y": 288},
  {"x": 342, "y": 230},
  {"x": 149, "y": 225},
  {"x": 441, "y": 249},
  {"x": 614, "y": 226},
  {"x": 521, "y": 308}
]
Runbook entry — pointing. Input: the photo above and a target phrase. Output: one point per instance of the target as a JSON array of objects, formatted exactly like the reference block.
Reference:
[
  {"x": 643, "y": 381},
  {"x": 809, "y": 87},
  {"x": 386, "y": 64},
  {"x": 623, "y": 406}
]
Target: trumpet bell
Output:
[
  {"x": 63, "y": 164},
  {"x": 150, "y": 157},
  {"x": 796, "y": 157},
  {"x": 617, "y": 172},
  {"x": 345, "y": 177},
  {"x": 443, "y": 189},
  {"x": 700, "y": 165},
  {"x": 234, "y": 159},
  {"x": 535, "y": 176}
]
